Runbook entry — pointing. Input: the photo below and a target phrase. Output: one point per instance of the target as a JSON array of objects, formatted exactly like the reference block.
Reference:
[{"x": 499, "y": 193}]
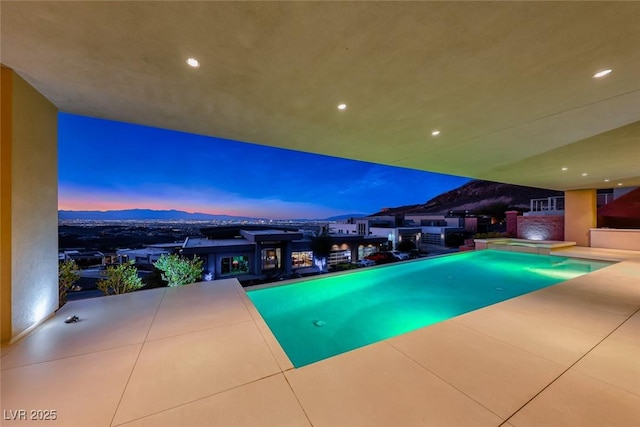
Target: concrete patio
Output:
[{"x": 201, "y": 355}]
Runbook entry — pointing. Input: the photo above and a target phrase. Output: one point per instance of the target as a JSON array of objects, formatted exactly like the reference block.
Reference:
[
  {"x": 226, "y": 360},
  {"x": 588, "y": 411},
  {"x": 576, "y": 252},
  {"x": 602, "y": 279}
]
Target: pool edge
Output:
[{"x": 276, "y": 349}]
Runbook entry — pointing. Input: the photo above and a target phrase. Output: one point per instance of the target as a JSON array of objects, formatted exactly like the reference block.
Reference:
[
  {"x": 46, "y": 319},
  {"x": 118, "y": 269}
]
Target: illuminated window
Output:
[
  {"x": 271, "y": 259},
  {"x": 234, "y": 265},
  {"x": 302, "y": 259}
]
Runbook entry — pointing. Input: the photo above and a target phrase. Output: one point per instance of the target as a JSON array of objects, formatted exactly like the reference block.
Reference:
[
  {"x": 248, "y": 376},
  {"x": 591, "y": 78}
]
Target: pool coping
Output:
[
  {"x": 544, "y": 358},
  {"x": 272, "y": 342},
  {"x": 283, "y": 359},
  {"x": 340, "y": 273}
]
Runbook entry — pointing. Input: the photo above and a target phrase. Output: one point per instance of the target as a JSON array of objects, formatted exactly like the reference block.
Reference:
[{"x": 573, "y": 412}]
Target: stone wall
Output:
[{"x": 541, "y": 227}]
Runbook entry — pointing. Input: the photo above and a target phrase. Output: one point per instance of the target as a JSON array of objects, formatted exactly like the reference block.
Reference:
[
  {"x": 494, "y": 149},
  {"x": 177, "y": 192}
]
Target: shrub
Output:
[
  {"x": 178, "y": 270},
  {"x": 120, "y": 279},
  {"x": 345, "y": 266},
  {"x": 154, "y": 280},
  {"x": 67, "y": 276}
]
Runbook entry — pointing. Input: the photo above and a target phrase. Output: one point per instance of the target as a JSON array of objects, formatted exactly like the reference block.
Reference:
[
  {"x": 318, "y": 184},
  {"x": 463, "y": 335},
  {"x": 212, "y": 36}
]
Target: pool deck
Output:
[{"x": 201, "y": 355}]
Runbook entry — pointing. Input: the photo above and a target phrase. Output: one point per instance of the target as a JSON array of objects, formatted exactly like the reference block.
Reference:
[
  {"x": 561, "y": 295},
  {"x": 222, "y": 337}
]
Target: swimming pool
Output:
[{"x": 319, "y": 318}]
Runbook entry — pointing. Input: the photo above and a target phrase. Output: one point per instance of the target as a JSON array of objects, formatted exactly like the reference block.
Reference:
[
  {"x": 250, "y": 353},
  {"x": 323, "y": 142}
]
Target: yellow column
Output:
[
  {"x": 580, "y": 215},
  {"x": 5, "y": 204},
  {"x": 29, "y": 202}
]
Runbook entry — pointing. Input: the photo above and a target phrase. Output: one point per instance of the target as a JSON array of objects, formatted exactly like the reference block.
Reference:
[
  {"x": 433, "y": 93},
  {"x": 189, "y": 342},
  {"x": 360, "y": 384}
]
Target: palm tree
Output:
[{"x": 321, "y": 245}]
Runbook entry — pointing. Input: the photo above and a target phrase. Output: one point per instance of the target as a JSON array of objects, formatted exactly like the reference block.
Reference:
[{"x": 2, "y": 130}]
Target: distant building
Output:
[
  {"x": 417, "y": 228},
  {"x": 145, "y": 257},
  {"x": 254, "y": 251},
  {"x": 83, "y": 258}
]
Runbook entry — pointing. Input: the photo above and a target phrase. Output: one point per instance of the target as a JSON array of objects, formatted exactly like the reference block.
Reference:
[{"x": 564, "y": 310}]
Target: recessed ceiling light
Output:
[
  {"x": 585, "y": 174},
  {"x": 193, "y": 62},
  {"x": 435, "y": 133},
  {"x": 601, "y": 73},
  {"x": 342, "y": 106},
  {"x": 619, "y": 183},
  {"x": 607, "y": 180},
  {"x": 564, "y": 169}
]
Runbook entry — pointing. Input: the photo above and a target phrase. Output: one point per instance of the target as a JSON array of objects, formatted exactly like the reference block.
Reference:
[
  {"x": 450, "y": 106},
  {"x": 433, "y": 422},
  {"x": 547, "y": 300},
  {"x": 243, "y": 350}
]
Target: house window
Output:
[
  {"x": 234, "y": 265},
  {"x": 271, "y": 259},
  {"x": 362, "y": 229},
  {"x": 302, "y": 259}
]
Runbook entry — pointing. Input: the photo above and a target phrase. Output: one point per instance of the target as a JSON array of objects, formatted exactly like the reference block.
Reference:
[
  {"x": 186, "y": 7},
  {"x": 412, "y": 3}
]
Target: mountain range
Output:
[
  {"x": 474, "y": 196},
  {"x": 166, "y": 215}
]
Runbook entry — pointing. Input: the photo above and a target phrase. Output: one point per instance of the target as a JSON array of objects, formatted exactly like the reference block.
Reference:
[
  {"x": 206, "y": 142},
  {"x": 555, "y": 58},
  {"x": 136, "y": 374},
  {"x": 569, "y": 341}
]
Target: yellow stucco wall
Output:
[
  {"x": 30, "y": 269},
  {"x": 5, "y": 203},
  {"x": 579, "y": 215}
]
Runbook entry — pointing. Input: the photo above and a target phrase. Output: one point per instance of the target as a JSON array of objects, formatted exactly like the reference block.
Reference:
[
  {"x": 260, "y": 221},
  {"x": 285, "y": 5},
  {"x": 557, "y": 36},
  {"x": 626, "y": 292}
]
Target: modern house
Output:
[
  {"x": 145, "y": 257},
  {"x": 542, "y": 94},
  {"x": 252, "y": 251},
  {"x": 419, "y": 229},
  {"x": 83, "y": 258}
]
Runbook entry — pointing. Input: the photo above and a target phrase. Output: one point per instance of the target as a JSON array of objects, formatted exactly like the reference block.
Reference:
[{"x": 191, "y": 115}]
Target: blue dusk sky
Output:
[{"x": 107, "y": 165}]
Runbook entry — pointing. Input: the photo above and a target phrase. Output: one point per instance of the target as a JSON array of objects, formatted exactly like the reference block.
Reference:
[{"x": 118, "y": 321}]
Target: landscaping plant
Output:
[
  {"x": 67, "y": 276},
  {"x": 178, "y": 270},
  {"x": 120, "y": 279}
]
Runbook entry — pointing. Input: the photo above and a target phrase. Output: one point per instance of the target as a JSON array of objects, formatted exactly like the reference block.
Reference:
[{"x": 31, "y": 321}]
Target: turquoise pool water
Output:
[{"x": 322, "y": 317}]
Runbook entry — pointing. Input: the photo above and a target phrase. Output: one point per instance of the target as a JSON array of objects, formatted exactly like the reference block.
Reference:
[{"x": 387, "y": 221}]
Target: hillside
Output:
[
  {"x": 166, "y": 215},
  {"x": 143, "y": 215},
  {"x": 476, "y": 196}
]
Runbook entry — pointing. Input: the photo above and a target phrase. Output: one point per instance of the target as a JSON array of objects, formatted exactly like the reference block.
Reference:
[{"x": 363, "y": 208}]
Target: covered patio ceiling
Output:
[{"x": 508, "y": 84}]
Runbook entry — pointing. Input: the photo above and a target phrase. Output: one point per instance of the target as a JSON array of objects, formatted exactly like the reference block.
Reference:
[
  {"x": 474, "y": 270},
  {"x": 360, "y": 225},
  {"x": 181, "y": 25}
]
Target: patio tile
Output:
[
  {"x": 83, "y": 390},
  {"x": 180, "y": 369},
  {"x": 191, "y": 308},
  {"x": 611, "y": 284},
  {"x": 276, "y": 349},
  {"x": 105, "y": 322},
  {"x": 499, "y": 376},
  {"x": 379, "y": 386},
  {"x": 577, "y": 400},
  {"x": 585, "y": 311},
  {"x": 630, "y": 267},
  {"x": 614, "y": 362},
  {"x": 4, "y": 350},
  {"x": 613, "y": 299},
  {"x": 553, "y": 341},
  {"x": 629, "y": 331},
  {"x": 267, "y": 402}
]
